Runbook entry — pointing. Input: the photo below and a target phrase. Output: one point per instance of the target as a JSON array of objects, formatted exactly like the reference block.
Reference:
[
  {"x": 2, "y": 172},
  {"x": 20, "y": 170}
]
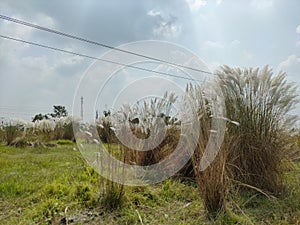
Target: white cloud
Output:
[
  {"x": 195, "y": 5},
  {"x": 219, "y": 2},
  {"x": 298, "y": 29},
  {"x": 167, "y": 30},
  {"x": 166, "y": 25},
  {"x": 292, "y": 66},
  {"x": 15, "y": 30},
  {"x": 153, "y": 13},
  {"x": 213, "y": 44},
  {"x": 235, "y": 43},
  {"x": 9, "y": 48},
  {"x": 298, "y": 43},
  {"x": 45, "y": 20},
  {"x": 262, "y": 4}
]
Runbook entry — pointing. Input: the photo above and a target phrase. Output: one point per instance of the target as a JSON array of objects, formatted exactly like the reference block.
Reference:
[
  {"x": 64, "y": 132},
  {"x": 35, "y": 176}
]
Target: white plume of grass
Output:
[
  {"x": 44, "y": 125},
  {"x": 261, "y": 104}
]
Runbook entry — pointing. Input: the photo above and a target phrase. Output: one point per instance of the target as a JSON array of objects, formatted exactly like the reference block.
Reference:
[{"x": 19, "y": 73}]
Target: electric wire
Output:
[
  {"x": 24, "y": 23},
  {"x": 96, "y": 58}
]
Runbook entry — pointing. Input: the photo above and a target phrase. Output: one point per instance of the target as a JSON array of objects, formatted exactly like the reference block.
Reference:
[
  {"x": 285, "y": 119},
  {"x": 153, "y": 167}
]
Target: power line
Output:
[
  {"x": 96, "y": 58},
  {"x": 23, "y": 107},
  {"x": 97, "y": 43}
]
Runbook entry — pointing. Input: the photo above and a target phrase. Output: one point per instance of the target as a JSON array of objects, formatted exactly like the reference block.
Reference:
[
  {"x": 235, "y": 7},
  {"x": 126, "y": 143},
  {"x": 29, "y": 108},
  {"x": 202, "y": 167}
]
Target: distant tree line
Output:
[{"x": 58, "y": 112}]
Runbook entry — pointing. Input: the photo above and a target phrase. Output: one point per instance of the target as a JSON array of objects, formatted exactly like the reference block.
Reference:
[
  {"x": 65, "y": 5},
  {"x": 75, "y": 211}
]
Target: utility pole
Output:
[
  {"x": 81, "y": 108},
  {"x": 97, "y": 114}
]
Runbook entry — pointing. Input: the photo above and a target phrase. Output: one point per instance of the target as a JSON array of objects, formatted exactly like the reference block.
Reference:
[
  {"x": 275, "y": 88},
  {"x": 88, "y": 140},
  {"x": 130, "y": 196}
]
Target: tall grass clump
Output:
[
  {"x": 104, "y": 125},
  {"x": 142, "y": 134},
  {"x": 260, "y": 103},
  {"x": 150, "y": 129},
  {"x": 212, "y": 181},
  {"x": 11, "y": 133},
  {"x": 64, "y": 128},
  {"x": 44, "y": 129},
  {"x": 2, "y": 135},
  {"x": 110, "y": 162},
  {"x": 112, "y": 184}
]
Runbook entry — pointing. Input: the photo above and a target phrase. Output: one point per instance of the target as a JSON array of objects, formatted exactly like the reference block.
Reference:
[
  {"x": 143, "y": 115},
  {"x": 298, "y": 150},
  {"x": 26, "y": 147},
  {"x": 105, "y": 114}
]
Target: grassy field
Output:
[{"x": 55, "y": 186}]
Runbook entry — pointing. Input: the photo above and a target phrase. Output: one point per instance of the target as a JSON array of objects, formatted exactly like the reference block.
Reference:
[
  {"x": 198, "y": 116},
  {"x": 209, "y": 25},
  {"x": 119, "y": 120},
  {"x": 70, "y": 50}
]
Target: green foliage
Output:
[
  {"x": 40, "y": 116},
  {"x": 52, "y": 185},
  {"x": 229, "y": 217},
  {"x": 49, "y": 212},
  {"x": 49, "y": 185},
  {"x": 113, "y": 197},
  {"x": 167, "y": 191},
  {"x": 59, "y": 111},
  {"x": 64, "y": 142},
  {"x": 83, "y": 193},
  {"x": 56, "y": 189}
]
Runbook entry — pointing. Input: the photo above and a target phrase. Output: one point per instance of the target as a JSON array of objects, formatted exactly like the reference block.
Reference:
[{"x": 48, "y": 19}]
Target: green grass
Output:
[
  {"x": 64, "y": 142},
  {"x": 50, "y": 185}
]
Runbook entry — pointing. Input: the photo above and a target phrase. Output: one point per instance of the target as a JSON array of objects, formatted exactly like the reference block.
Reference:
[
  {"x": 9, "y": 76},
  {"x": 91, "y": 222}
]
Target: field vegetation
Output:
[{"x": 254, "y": 178}]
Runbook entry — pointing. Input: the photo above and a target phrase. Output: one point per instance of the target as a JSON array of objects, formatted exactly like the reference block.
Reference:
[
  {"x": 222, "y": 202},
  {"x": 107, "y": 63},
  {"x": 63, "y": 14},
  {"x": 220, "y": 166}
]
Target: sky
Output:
[{"x": 244, "y": 33}]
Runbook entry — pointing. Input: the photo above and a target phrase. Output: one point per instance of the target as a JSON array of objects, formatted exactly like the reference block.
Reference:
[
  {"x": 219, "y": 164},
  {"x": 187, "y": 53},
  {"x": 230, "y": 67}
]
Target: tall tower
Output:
[{"x": 81, "y": 112}]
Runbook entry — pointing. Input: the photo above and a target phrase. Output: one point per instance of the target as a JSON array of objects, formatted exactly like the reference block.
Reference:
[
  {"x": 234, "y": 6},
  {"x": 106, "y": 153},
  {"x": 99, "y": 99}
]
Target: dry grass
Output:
[
  {"x": 143, "y": 125},
  {"x": 261, "y": 104},
  {"x": 212, "y": 181},
  {"x": 112, "y": 186}
]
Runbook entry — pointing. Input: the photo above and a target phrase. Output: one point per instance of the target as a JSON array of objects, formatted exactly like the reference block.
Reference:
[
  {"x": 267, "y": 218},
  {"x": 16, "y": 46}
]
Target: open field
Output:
[{"x": 55, "y": 186}]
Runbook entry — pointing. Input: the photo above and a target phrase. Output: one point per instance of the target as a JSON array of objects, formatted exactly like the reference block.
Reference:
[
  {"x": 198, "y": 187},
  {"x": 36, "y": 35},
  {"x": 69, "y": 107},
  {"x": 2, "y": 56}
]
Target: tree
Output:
[
  {"x": 40, "y": 116},
  {"x": 59, "y": 111},
  {"x": 106, "y": 113}
]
